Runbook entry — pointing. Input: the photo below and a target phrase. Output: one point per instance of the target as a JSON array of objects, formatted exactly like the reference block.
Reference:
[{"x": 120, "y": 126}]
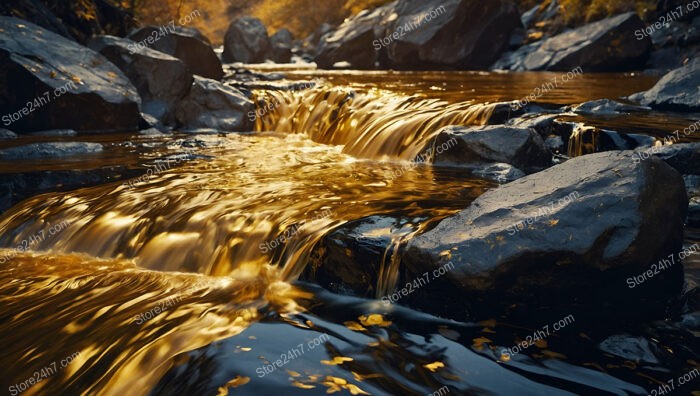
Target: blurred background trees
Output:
[{"x": 303, "y": 17}]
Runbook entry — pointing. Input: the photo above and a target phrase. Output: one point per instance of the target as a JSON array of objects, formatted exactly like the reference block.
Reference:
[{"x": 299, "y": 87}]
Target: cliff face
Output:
[{"x": 75, "y": 19}]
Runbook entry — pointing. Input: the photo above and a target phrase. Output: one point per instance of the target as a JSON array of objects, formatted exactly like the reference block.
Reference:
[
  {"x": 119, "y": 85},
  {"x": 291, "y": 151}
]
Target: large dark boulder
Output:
[
  {"x": 246, "y": 41},
  {"x": 605, "y": 45},
  {"x": 161, "y": 79},
  {"x": 82, "y": 90},
  {"x": 211, "y": 104},
  {"x": 568, "y": 239},
  {"x": 520, "y": 147},
  {"x": 74, "y": 19},
  {"x": 281, "y": 46},
  {"x": 463, "y": 34},
  {"x": 352, "y": 41},
  {"x": 187, "y": 44},
  {"x": 677, "y": 90}
]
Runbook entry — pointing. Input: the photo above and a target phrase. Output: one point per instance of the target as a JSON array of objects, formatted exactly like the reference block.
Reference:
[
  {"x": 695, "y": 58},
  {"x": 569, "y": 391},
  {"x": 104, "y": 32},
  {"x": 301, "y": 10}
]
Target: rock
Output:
[
  {"x": 520, "y": 147},
  {"x": 281, "y": 46},
  {"x": 246, "y": 41},
  {"x": 600, "y": 46},
  {"x": 187, "y": 44},
  {"x": 545, "y": 124},
  {"x": 161, "y": 80},
  {"x": 463, "y": 34},
  {"x": 50, "y": 150},
  {"x": 16, "y": 187},
  {"x": 211, "y": 104},
  {"x": 6, "y": 134},
  {"x": 561, "y": 241},
  {"x": 683, "y": 157},
  {"x": 352, "y": 41},
  {"x": 611, "y": 140},
  {"x": 555, "y": 144},
  {"x": 73, "y": 19},
  {"x": 692, "y": 187},
  {"x": 635, "y": 349},
  {"x": 54, "y": 132},
  {"x": 498, "y": 172},
  {"x": 82, "y": 90},
  {"x": 334, "y": 260},
  {"x": 679, "y": 90},
  {"x": 607, "y": 107}
]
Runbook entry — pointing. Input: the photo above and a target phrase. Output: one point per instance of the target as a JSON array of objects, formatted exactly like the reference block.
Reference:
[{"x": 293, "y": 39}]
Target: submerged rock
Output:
[
  {"x": 69, "y": 86},
  {"x": 565, "y": 238},
  {"x": 185, "y": 43},
  {"x": 211, "y": 104},
  {"x": 520, "y": 147},
  {"x": 677, "y": 90},
  {"x": 162, "y": 80},
  {"x": 246, "y": 41},
  {"x": 605, "y": 45}
]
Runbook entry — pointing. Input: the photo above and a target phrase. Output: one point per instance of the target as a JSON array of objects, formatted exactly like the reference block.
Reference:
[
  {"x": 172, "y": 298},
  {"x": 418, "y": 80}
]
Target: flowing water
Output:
[{"x": 185, "y": 281}]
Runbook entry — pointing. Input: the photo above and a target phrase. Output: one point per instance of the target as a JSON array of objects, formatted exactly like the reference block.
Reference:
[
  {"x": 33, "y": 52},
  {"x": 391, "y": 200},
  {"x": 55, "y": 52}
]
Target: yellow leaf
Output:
[
  {"x": 374, "y": 320},
  {"x": 354, "y": 326},
  {"x": 434, "y": 366},
  {"x": 302, "y": 385},
  {"x": 355, "y": 390},
  {"x": 338, "y": 360}
]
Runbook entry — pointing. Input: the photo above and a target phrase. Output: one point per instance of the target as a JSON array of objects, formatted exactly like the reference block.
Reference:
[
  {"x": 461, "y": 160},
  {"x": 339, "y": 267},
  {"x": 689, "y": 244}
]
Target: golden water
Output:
[{"x": 197, "y": 234}]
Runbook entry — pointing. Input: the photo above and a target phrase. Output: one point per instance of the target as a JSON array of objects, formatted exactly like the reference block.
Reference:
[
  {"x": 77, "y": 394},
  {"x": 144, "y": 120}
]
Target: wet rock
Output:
[
  {"x": 211, "y": 104},
  {"x": 562, "y": 240},
  {"x": 678, "y": 90},
  {"x": 185, "y": 43},
  {"x": 281, "y": 46},
  {"x": 520, "y": 147},
  {"x": 246, "y": 41},
  {"x": 161, "y": 80},
  {"x": 54, "y": 132},
  {"x": 16, "y": 187},
  {"x": 467, "y": 34},
  {"x": 555, "y": 144},
  {"x": 692, "y": 187},
  {"x": 49, "y": 150},
  {"x": 683, "y": 157},
  {"x": 611, "y": 140},
  {"x": 607, "y": 107},
  {"x": 498, "y": 172},
  {"x": 6, "y": 134},
  {"x": 606, "y": 45},
  {"x": 352, "y": 41},
  {"x": 635, "y": 349},
  {"x": 81, "y": 89},
  {"x": 545, "y": 124},
  {"x": 334, "y": 262}
]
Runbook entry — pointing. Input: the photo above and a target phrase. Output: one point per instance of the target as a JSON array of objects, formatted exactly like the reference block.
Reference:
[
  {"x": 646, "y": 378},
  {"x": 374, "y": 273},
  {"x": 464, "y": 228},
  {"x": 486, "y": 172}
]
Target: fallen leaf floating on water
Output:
[
  {"x": 302, "y": 385},
  {"x": 234, "y": 383},
  {"x": 338, "y": 360},
  {"x": 374, "y": 320},
  {"x": 434, "y": 366},
  {"x": 336, "y": 384},
  {"x": 352, "y": 325},
  {"x": 479, "y": 342},
  {"x": 293, "y": 373}
]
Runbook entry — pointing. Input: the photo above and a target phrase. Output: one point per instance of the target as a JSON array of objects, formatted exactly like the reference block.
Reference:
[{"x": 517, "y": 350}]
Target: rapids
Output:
[{"x": 218, "y": 243}]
